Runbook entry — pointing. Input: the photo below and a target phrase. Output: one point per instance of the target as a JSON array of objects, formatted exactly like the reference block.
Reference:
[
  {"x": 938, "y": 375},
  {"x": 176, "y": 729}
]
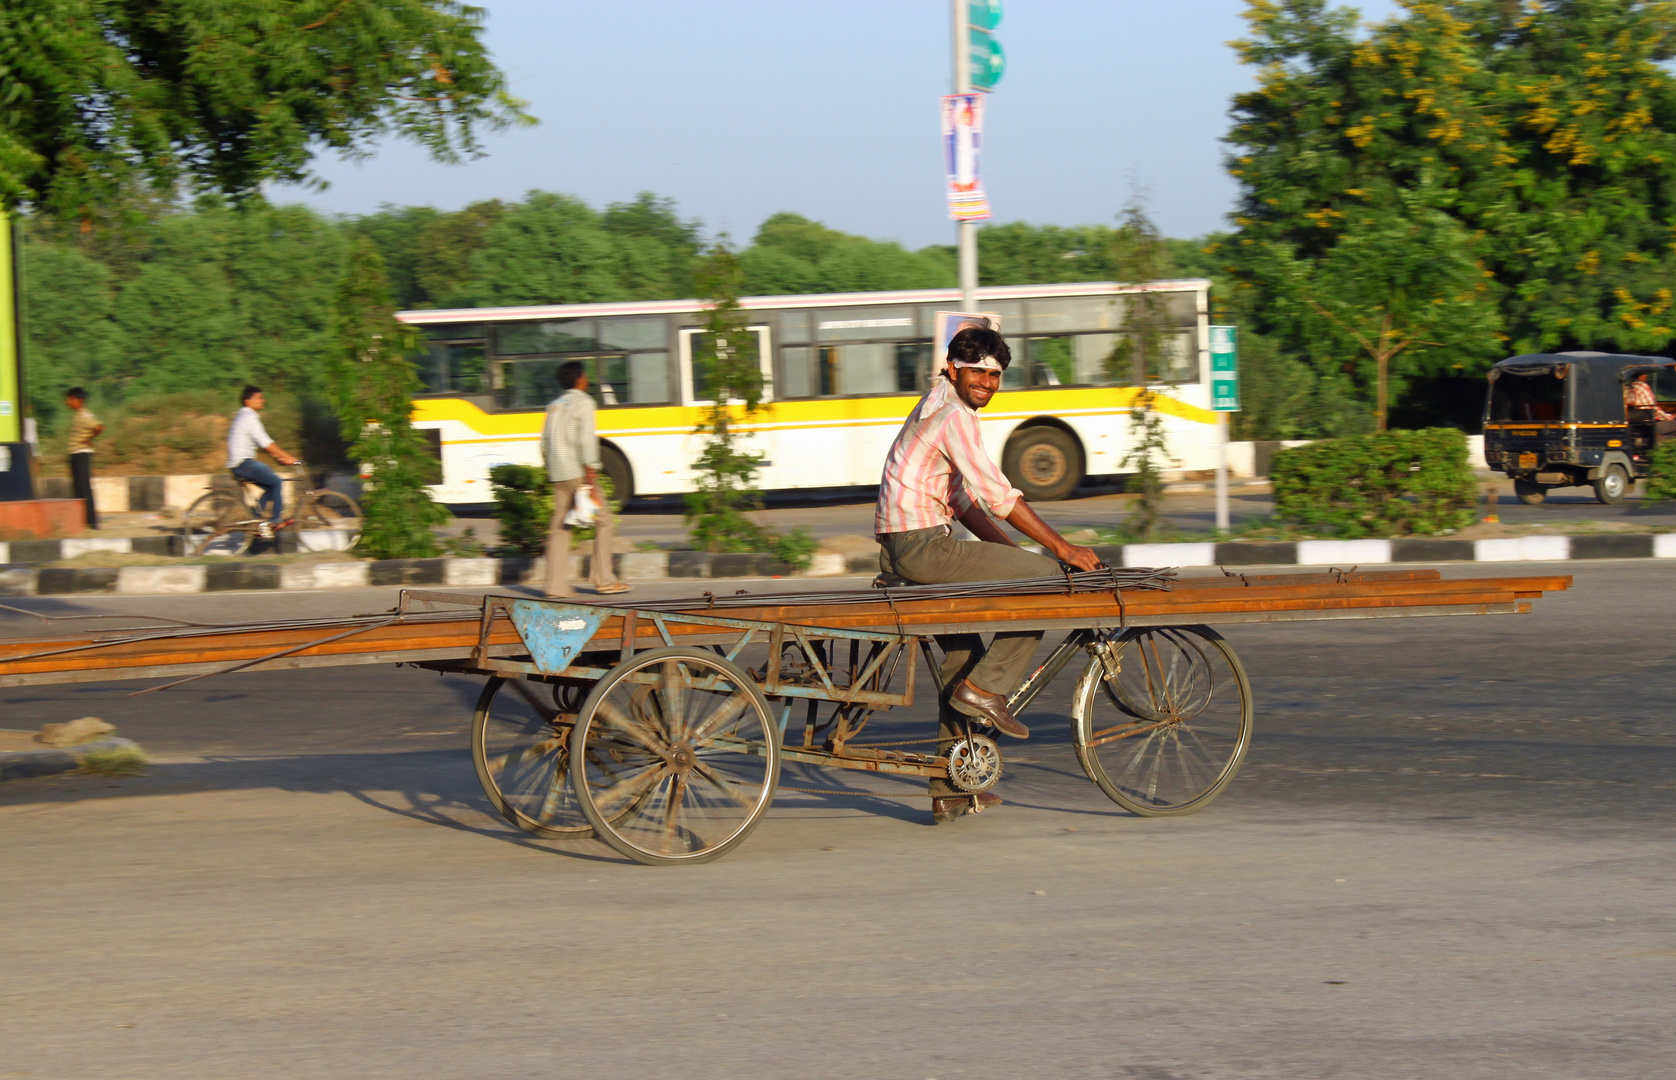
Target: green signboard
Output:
[
  {"x": 1224, "y": 369},
  {"x": 988, "y": 62}
]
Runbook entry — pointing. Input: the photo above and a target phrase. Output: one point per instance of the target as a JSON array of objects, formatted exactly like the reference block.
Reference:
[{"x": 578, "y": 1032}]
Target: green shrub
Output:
[
  {"x": 1661, "y": 478},
  {"x": 523, "y": 506},
  {"x": 1393, "y": 483},
  {"x": 796, "y": 548}
]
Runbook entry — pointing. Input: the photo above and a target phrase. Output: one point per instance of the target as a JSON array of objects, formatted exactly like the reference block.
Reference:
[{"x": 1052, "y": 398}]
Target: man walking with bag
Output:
[{"x": 570, "y": 449}]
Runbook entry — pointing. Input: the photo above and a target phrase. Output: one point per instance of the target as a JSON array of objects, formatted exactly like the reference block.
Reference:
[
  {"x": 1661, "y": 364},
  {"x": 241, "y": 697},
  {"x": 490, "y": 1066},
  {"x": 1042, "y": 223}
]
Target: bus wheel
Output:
[
  {"x": 1043, "y": 462},
  {"x": 1530, "y": 492},
  {"x": 618, "y": 472}
]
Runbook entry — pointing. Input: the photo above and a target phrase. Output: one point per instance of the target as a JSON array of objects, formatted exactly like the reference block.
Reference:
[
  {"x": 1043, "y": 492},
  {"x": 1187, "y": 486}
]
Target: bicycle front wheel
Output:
[
  {"x": 328, "y": 521},
  {"x": 218, "y": 524},
  {"x": 1163, "y": 718}
]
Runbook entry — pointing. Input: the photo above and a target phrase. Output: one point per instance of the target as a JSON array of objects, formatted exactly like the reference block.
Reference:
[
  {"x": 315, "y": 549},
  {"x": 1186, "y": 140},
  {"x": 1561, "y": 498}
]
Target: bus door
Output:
[{"x": 694, "y": 392}]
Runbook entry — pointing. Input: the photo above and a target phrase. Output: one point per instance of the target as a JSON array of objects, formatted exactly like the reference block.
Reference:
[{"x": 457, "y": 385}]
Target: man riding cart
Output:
[{"x": 1578, "y": 419}]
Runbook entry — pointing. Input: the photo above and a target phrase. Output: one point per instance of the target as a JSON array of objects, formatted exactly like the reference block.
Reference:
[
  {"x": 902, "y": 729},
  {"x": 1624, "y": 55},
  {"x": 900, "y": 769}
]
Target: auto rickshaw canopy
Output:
[{"x": 1593, "y": 383}]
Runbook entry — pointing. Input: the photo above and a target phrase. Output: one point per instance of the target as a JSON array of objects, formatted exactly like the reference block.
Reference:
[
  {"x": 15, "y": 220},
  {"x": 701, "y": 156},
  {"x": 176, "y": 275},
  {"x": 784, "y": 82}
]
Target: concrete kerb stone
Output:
[
  {"x": 160, "y": 580},
  {"x": 1343, "y": 553}
]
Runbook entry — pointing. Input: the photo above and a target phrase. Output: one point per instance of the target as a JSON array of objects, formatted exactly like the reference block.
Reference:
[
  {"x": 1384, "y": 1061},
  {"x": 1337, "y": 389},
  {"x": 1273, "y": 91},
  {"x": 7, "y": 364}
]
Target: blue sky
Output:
[{"x": 741, "y": 108}]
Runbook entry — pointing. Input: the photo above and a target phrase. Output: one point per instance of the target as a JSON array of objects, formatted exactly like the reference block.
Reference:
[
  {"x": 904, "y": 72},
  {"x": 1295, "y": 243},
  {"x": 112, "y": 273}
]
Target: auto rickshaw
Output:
[{"x": 1561, "y": 420}]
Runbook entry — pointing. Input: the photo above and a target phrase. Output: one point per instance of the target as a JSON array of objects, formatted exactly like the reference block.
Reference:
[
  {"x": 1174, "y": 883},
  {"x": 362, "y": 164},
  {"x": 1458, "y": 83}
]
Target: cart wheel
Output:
[
  {"x": 520, "y": 744},
  {"x": 1164, "y": 720},
  {"x": 1530, "y": 492},
  {"x": 681, "y": 756},
  {"x": 1612, "y": 485},
  {"x": 214, "y": 525}
]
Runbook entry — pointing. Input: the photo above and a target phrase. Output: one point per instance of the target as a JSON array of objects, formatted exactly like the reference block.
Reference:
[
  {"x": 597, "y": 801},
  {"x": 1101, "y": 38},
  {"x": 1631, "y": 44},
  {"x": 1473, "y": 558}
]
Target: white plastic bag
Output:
[{"x": 582, "y": 509}]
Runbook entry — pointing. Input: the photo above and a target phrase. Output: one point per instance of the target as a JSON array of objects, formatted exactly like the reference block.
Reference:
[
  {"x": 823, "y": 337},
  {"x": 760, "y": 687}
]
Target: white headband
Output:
[{"x": 987, "y": 363}]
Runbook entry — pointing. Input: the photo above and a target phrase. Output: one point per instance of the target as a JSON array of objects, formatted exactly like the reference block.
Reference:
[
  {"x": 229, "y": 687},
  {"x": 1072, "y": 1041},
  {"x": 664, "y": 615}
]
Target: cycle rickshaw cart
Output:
[{"x": 662, "y": 727}]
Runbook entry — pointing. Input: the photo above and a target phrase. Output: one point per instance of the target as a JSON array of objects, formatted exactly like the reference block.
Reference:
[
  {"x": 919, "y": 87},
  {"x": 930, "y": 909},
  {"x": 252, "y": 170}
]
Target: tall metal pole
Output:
[
  {"x": 1222, "y": 472},
  {"x": 967, "y": 230}
]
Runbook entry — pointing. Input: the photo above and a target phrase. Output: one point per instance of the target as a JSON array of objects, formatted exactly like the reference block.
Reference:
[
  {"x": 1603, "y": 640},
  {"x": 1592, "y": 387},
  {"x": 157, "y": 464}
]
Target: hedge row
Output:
[{"x": 1394, "y": 483}]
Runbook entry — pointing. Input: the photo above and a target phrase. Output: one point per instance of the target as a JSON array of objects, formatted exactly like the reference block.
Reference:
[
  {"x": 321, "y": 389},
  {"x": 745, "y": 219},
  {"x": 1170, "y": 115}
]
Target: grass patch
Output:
[{"x": 116, "y": 761}]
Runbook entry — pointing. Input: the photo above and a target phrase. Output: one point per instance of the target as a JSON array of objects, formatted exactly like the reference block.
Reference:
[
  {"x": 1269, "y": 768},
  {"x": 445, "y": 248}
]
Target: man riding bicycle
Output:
[{"x": 245, "y": 438}]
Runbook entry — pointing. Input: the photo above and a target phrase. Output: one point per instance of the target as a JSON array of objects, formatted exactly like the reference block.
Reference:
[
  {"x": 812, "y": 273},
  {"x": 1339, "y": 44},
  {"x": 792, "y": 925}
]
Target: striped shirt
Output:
[
  {"x": 83, "y": 424},
  {"x": 1640, "y": 395},
  {"x": 937, "y": 468},
  {"x": 569, "y": 445}
]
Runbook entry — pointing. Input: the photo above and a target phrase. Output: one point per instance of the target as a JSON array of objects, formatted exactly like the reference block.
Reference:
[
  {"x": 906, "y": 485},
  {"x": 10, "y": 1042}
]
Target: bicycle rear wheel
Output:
[
  {"x": 328, "y": 521},
  {"x": 1164, "y": 719},
  {"x": 218, "y": 524}
]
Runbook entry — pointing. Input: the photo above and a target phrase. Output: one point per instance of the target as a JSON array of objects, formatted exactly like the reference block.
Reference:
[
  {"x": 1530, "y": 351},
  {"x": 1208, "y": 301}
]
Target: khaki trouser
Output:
[
  {"x": 558, "y": 542},
  {"x": 934, "y": 557}
]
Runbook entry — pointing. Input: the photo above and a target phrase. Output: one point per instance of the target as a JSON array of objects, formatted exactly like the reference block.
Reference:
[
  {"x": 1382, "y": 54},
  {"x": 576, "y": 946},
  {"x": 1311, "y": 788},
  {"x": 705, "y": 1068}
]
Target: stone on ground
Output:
[{"x": 74, "y": 732}]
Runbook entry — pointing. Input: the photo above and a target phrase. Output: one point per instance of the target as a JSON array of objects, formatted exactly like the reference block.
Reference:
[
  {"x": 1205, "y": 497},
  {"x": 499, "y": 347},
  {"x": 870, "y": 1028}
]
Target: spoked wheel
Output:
[
  {"x": 215, "y": 525},
  {"x": 520, "y": 744},
  {"x": 680, "y": 758},
  {"x": 1163, "y": 718},
  {"x": 330, "y": 521}
]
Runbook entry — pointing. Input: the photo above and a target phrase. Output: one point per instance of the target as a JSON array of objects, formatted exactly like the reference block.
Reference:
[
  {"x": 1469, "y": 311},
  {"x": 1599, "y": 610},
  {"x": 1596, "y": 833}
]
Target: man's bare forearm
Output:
[
  {"x": 983, "y": 526},
  {"x": 1028, "y": 522}
]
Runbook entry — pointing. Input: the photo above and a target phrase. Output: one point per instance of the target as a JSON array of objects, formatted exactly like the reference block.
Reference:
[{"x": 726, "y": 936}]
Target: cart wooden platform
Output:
[{"x": 685, "y": 710}]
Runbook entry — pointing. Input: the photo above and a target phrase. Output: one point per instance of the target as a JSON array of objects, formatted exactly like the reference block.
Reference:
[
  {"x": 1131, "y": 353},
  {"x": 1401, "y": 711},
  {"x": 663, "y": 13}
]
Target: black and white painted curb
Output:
[{"x": 640, "y": 566}]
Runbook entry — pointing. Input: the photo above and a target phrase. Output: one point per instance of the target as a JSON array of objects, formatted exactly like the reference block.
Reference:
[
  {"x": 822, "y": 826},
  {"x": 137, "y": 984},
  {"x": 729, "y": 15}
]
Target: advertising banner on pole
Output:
[
  {"x": 962, "y": 149},
  {"x": 1224, "y": 369}
]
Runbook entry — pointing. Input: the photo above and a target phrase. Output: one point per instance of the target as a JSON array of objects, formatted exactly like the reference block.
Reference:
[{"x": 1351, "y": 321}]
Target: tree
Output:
[
  {"x": 1401, "y": 288},
  {"x": 731, "y": 373},
  {"x": 225, "y": 95},
  {"x": 373, "y": 384},
  {"x": 1535, "y": 142}
]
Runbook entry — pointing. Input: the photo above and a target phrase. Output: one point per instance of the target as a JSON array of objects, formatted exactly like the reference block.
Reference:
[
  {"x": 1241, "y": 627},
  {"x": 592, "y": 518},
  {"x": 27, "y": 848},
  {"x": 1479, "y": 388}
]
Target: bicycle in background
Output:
[{"x": 227, "y": 522}]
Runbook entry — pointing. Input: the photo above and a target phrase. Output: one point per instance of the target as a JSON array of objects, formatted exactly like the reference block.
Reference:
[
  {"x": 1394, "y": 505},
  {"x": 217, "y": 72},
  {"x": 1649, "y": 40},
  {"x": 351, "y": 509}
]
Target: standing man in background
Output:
[
  {"x": 84, "y": 428},
  {"x": 245, "y": 438},
  {"x": 570, "y": 449}
]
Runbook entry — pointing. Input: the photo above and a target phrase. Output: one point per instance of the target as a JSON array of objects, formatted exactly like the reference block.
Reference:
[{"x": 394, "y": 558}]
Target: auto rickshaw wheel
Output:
[
  {"x": 1530, "y": 492},
  {"x": 1612, "y": 485}
]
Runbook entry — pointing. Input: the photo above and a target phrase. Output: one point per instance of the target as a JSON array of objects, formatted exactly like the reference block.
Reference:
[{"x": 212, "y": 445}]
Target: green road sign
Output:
[
  {"x": 1224, "y": 369},
  {"x": 988, "y": 61}
]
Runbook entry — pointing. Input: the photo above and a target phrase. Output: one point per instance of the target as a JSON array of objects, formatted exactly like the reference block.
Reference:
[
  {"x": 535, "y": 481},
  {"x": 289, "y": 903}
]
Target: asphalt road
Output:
[{"x": 1449, "y": 854}]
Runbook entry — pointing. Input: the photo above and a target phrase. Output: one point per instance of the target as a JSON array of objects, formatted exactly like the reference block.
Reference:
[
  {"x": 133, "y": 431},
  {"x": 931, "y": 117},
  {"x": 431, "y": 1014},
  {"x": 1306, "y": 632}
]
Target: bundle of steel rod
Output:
[{"x": 1105, "y": 579}]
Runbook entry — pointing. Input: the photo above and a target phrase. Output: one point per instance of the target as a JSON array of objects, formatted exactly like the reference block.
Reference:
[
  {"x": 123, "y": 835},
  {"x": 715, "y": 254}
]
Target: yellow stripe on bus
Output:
[{"x": 826, "y": 412}]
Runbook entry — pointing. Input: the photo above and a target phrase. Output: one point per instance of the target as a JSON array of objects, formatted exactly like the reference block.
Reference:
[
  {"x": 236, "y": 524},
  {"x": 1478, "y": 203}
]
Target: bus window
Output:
[
  {"x": 1017, "y": 375},
  {"x": 913, "y": 366},
  {"x": 634, "y": 333},
  {"x": 1051, "y": 361},
  {"x": 453, "y": 368},
  {"x": 1063, "y": 315},
  {"x": 551, "y": 336},
  {"x": 1179, "y": 362}
]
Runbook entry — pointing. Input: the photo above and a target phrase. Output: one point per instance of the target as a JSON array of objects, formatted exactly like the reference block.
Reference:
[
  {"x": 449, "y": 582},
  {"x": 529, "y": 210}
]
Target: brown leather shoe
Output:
[
  {"x": 991, "y": 709},
  {"x": 949, "y": 807}
]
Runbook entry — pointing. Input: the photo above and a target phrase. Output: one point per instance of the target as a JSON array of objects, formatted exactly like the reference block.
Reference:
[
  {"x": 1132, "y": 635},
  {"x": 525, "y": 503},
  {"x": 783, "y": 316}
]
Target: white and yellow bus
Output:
[{"x": 841, "y": 370}]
